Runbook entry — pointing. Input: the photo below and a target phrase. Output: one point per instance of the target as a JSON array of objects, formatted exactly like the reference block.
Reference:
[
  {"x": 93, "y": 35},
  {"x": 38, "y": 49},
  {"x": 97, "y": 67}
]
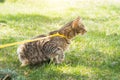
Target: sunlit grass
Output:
[{"x": 93, "y": 56}]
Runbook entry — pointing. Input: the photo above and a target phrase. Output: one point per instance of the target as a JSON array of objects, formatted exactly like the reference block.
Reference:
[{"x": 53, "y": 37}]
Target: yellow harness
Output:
[{"x": 22, "y": 42}]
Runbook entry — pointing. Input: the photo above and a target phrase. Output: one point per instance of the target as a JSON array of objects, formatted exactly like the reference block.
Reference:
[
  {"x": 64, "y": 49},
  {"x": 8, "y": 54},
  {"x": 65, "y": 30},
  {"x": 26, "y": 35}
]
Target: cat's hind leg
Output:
[
  {"x": 23, "y": 60},
  {"x": 21, "y": 56},
  {"x": 59, "y": 58},
  {"x": 24, "y": 63}
]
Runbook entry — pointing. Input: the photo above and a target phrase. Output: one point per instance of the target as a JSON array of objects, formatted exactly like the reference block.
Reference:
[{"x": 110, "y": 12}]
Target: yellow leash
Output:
[{"x": 22, "y": 42}]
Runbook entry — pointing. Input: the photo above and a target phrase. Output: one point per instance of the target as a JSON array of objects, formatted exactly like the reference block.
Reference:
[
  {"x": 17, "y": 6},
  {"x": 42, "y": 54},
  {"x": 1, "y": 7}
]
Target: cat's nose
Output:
[{"x": 85, "y": 31}]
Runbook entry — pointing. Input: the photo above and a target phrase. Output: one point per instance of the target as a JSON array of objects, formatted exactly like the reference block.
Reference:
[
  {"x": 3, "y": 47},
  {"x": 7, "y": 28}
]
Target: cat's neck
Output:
[
  {"x": 66, "y": 31},
  {"x": 69, "y": 34}
]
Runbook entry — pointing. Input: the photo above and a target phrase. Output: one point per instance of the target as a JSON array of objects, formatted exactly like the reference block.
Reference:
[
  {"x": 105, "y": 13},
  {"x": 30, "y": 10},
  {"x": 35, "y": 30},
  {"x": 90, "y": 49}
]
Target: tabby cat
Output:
[{"x": 50, "y": 47}]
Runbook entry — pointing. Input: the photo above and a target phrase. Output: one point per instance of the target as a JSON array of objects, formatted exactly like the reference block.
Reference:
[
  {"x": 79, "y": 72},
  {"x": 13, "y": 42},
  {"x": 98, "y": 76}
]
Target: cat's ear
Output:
[{"x": 76, "y": 22}]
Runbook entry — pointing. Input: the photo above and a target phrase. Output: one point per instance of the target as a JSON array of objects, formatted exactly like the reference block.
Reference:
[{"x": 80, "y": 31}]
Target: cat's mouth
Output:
[{"x": 83, "y": 32}]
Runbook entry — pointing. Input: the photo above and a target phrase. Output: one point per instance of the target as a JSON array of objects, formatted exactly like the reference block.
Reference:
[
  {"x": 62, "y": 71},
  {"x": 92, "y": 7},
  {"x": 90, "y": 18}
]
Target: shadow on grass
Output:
[
  {"x": 31, "y": 18},
  {"x": 30, "y": 23},
  {"x": 2, "y": 1}
]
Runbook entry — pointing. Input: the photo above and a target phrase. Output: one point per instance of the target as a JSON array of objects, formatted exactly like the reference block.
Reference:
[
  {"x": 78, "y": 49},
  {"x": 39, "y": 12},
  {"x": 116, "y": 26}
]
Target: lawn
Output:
[{"x": 93, "y": 56}]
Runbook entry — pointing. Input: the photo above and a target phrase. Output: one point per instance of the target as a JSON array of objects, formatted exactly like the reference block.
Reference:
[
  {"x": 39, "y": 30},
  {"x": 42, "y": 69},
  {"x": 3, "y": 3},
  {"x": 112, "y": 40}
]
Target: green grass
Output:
[{"x": 93, "y": 56}]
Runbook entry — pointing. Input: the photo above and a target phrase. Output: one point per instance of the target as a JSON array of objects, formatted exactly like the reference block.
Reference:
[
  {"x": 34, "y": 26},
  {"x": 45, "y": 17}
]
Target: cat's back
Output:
[{"x": 28, "y": 45}]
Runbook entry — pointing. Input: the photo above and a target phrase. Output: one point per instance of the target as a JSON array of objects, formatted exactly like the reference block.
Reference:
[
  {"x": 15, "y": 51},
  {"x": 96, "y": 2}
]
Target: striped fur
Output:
[{"x": 52, "y": 47}]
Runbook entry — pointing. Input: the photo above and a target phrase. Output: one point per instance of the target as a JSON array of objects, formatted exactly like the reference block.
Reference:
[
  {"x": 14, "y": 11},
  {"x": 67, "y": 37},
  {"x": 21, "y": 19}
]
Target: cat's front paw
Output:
[{"x": 58, "y": 63}]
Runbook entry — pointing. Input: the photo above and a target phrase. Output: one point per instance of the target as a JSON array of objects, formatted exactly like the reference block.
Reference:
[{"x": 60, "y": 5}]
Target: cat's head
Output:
[
  {"x": 72, "y": 28},
  {"x": 78, "y": 26}
]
